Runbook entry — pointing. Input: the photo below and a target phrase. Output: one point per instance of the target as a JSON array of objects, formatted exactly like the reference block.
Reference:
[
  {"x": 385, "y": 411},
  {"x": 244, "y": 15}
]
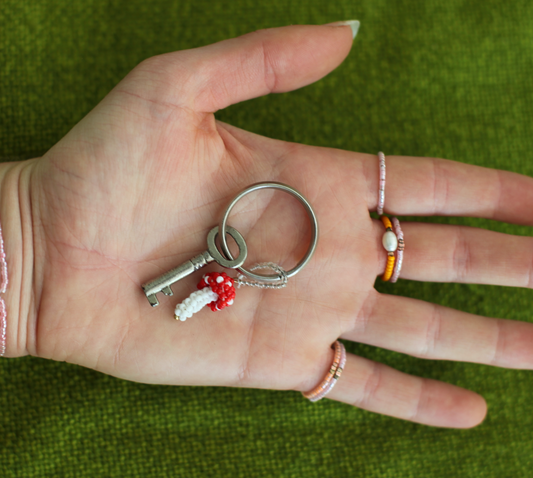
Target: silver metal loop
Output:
[
  {"x": 212, "y": 248},
  {"x": 312, "y": 216}
]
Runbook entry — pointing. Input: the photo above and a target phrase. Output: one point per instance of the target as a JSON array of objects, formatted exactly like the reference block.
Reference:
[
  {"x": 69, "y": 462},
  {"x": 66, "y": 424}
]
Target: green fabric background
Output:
[{"x": 450, "y": 79}]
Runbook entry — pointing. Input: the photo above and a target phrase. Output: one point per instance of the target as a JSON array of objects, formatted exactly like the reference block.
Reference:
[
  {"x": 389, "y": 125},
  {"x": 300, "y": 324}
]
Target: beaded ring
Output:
[
  {"x": 390, "y": 243},
  {"x": 399, "y": 252},
  {"x": 3, "y": 286},
  {"x": 381, "y": 200},
  {"x": 332, "y": 376}
]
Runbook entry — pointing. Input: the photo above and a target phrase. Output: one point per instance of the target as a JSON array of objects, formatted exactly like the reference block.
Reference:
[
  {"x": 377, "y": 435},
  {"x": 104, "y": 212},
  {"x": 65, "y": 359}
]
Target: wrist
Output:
[{"x": 17, "y": 231}]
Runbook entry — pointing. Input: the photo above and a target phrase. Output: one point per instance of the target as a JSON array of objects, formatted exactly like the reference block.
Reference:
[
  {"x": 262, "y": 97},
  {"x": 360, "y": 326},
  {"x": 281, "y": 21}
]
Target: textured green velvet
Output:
[{"x": 451, "y": 79}]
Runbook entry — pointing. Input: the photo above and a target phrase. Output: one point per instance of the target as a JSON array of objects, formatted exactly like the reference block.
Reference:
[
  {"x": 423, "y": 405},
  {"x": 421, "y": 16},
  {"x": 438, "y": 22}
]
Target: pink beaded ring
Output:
[
  {"x": 381, "y": 199},
  {"x": 3, "y": 286},
  {"x": 331, "y": 377},
  {"x": 399, "y": 252}
]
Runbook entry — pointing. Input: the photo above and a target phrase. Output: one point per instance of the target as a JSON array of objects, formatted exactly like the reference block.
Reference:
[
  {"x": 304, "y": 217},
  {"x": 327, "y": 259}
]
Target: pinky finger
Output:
[{"x": 379, "y": 388}]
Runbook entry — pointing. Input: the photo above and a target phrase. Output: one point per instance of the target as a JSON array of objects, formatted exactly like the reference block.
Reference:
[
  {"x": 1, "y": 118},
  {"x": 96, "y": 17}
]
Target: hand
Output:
[{"x": 132, "y": 190}]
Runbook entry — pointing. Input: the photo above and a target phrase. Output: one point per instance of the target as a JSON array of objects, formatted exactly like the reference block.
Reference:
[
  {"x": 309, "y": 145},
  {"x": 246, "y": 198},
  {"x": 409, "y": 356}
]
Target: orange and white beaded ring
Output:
[{"x": 217, "y": 289}]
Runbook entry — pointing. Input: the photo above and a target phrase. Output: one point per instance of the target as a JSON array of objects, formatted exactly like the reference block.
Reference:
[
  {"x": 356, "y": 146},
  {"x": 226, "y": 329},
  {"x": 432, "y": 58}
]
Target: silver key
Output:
[{"x": 163, "y": 283}]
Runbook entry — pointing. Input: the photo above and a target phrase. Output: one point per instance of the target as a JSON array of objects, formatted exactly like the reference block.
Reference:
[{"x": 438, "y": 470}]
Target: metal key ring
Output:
[
  {"x": 219, "y": 258},
  {"x": 283, "y": 187}
]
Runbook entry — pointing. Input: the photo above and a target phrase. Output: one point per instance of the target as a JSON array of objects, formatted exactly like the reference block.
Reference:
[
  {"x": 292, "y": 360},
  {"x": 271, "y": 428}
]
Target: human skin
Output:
[{"x": 133, "y": 189}]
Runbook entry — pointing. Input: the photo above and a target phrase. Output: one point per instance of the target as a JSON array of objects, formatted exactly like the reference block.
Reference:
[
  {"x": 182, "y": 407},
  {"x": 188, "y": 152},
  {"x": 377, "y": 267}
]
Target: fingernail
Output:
[{"x": 354, "y": 25}]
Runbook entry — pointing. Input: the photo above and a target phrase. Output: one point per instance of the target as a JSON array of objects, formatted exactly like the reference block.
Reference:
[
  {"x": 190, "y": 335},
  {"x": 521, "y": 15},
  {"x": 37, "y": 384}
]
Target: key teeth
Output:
[
  {"x": 167, "y": 290},
  {"x": 153, "y": 300}
]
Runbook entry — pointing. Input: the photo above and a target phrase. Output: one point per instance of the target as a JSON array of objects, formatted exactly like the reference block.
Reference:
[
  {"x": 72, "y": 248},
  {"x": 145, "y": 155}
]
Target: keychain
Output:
[{"x": 217, "y": 289}]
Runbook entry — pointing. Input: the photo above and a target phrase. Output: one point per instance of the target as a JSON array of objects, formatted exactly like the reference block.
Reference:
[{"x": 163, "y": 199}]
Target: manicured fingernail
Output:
[{"x": 354, "y": 25}]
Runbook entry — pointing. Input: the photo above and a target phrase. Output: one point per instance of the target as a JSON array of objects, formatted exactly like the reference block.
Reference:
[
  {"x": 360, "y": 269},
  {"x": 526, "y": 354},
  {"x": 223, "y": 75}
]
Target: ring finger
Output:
[{"x": 445, "y": 253}]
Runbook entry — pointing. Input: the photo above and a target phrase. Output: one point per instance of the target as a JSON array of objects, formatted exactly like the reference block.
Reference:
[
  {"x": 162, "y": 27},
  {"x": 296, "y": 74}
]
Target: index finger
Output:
[{"x": 442, "y": 187}]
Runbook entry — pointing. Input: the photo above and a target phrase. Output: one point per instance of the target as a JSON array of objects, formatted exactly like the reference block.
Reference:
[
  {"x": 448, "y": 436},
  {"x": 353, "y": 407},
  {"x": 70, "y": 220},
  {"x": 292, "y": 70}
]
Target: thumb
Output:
[{"x": 274, "y": 60}]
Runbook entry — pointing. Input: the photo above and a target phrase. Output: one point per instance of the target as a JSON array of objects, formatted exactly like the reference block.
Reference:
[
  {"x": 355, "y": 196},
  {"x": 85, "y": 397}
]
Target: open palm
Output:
[{"x": 133, "y": 189}]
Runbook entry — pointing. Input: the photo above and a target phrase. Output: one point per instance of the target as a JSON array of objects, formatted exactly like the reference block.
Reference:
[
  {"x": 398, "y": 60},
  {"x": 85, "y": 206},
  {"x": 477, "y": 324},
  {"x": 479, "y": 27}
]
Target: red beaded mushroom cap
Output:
[{"x": 222, "y": 285}]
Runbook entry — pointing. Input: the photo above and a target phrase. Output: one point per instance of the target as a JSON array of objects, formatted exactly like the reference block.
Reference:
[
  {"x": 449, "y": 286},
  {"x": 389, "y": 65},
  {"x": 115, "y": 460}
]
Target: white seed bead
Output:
[
  {"x": 194, "y": 303},
  {"x": 390, "y": 241}
]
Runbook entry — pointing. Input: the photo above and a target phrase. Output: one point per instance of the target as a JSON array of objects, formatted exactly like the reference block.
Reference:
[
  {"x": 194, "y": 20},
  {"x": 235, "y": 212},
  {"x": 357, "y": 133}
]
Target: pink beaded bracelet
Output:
[
  {"x": 3, "y": 287},
  {"x": 399, "y": 252},
  {"x": 381, "y": 199},
  {"x": 332, "y": 376}
]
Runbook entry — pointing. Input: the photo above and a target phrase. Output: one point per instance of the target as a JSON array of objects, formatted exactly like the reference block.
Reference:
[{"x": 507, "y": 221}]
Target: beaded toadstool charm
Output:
[{"x": 217, "y": 290}]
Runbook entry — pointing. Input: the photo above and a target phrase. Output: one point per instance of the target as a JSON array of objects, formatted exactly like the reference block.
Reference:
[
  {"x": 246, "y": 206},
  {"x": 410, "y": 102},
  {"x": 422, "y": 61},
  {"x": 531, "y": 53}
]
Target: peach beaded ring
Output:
[{"x": 332, "y": 376}]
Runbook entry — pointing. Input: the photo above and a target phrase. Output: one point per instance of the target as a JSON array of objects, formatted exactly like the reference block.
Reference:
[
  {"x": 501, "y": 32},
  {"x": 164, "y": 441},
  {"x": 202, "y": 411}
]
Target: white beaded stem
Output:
[
  {"x": 194, "y": 303},
  {"x": 399, "y": 252},
  {"x": 381, "y": 199},
  {"x": 199, "y": 299}
]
